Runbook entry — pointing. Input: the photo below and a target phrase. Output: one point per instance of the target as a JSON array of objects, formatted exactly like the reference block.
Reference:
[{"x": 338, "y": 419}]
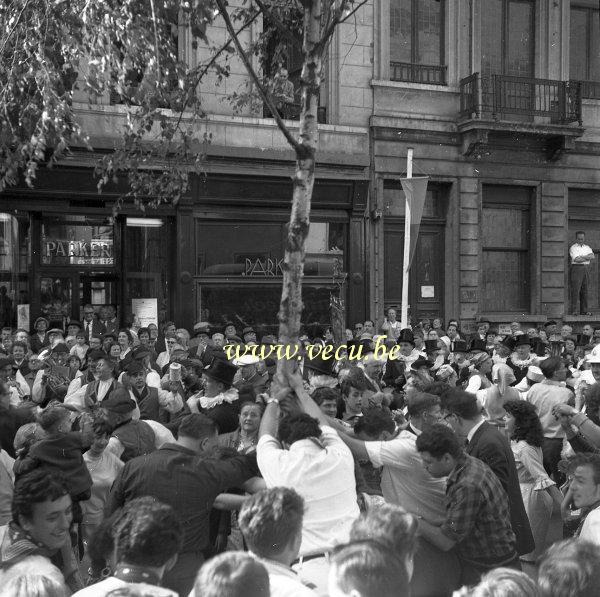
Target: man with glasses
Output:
[{"x": 91, "y": 326}]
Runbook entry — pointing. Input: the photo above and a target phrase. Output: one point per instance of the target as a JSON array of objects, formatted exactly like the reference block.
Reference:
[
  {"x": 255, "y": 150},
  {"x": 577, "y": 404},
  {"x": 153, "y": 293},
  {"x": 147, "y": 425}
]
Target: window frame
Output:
[
  {"x": 525, "y": 204},
  {"x": 413, "y": 66},
  {"x": 592, "y": 12}
]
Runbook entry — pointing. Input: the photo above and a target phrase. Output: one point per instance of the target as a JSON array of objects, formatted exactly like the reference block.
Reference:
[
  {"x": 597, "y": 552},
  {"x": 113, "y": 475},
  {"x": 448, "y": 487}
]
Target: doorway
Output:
[
  {"x": 426, "y": 281},
  {"x": 62, "y": 295}
]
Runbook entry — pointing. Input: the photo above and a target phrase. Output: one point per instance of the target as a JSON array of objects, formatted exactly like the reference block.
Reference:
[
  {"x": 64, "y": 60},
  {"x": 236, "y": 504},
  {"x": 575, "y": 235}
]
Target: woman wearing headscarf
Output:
[{"x": 493, "y": 398}]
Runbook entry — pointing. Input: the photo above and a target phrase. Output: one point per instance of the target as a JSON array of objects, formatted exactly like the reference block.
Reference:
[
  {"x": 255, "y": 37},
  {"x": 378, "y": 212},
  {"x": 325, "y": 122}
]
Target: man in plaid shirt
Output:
[{"x": 477, "y": 514}]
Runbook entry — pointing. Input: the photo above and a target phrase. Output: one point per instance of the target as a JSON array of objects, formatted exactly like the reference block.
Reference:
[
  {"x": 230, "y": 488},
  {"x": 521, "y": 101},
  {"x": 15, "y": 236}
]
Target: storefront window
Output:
[
  {"x": 240, "y": 268},
  {"x": 77, "y": 240},
  {"x": 258, "y": 305},
  {"x": 15, "y": 261},
  {"x": 257, "y": 249},
  {"x": 146, "y": 251}
]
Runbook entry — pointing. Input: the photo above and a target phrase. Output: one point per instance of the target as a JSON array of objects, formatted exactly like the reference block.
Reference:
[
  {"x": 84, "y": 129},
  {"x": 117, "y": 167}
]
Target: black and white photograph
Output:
[{"x": 300, "y": 298}]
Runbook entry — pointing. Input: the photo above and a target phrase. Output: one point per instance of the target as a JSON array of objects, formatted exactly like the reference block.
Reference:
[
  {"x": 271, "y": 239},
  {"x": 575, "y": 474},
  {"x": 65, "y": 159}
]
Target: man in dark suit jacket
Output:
[
  {"x": 91, "y": 325},
  {"x": 487, "y": 443}
]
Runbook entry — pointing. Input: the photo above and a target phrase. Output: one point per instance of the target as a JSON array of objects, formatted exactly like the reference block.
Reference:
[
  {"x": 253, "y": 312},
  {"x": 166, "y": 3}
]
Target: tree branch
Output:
[
  {"x": 336, "y": 20},
  {"x": 158, "y": 76},
  {"x": 296, "y": 145},
  {"x": 214, "y": 58},
  {"x": 12, "y": 30},
  {"x": 278, "y": 24}
]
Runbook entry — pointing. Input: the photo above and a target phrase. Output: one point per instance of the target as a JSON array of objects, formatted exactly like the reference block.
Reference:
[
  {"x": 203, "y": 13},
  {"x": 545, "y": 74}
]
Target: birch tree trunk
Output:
[{"x": 290, "y": 309}]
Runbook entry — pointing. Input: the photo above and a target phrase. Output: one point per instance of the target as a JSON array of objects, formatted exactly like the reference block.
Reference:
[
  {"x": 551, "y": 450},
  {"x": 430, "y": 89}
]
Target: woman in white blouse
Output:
[{"x": 538, "y": 490}]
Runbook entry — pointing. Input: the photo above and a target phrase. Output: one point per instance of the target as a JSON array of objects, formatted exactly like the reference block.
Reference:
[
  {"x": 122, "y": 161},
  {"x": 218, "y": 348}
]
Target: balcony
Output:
[
  {"x": 505, "y": 106},
  {"x": 418, "y": 73}
]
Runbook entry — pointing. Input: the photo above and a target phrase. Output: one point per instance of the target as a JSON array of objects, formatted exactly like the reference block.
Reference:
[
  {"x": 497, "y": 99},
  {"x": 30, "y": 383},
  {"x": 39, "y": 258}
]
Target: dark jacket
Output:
[
  {"x": 490, "y": 446},
  {"x": 63, "y": 453},
  {"x": 137, "y": 439}
]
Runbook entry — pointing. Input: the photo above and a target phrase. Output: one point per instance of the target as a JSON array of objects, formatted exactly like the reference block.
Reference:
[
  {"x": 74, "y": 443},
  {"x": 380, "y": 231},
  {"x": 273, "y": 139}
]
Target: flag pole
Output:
[{"x": 406, "y": 264}]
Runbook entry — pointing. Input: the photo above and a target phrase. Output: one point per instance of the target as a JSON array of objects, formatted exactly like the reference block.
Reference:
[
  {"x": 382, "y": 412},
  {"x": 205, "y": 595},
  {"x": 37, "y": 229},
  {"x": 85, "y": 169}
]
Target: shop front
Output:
[
  {"x": 54, "y": 264},
  {"x": 239, "y": 250}
]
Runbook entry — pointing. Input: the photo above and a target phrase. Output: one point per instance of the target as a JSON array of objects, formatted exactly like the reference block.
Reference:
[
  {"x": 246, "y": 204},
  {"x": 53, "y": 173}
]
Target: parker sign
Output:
[{"x": 78, "y": 252}]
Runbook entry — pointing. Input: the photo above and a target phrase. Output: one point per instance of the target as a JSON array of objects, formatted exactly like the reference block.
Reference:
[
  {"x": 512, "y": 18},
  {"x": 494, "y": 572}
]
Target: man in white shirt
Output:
[
  {"x": 545, "y": 396},
  {"x": 405, "y": 482},
  {"x": 271, "y": 522},
  {"x": 581, "y": 256},
  {"x": 302, "y": 452},
  {"x": 585, "y": 491}
]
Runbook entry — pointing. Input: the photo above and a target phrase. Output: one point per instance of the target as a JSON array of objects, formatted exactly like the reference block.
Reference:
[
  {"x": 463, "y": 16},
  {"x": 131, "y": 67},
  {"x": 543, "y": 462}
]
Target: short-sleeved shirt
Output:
[
  {"x": 322, "y": 472},
  {"x": 404, "y": 480},
  {"x": 477, "y": 514}
]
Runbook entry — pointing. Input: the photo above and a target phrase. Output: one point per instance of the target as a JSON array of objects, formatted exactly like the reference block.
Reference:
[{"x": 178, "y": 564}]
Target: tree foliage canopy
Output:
[{"x": 54, "y": 50}]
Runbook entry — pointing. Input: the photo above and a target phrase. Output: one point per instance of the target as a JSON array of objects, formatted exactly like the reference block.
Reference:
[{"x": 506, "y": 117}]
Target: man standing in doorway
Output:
[{"x": 581, "y": 257}]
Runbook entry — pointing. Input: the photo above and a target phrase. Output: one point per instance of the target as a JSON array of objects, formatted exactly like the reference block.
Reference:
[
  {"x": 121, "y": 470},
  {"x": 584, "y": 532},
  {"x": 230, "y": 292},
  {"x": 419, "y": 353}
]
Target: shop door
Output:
[
  {"x": 426, "y": 281},
  {"x": 58, "y": 297},
  {"x": 97, "y": 290},
  {"x": 62, "y": 296}
]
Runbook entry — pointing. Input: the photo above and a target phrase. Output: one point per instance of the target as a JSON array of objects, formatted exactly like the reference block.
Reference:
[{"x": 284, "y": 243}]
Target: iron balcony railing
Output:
[
  {"x": 502, "y": 96},
  {"x": 429, "y": 74}
]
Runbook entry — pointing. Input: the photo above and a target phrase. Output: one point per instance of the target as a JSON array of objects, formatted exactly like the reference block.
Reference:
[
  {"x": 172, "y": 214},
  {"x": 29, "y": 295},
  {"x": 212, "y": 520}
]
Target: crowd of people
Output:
[{"x": 158, "y": 461}]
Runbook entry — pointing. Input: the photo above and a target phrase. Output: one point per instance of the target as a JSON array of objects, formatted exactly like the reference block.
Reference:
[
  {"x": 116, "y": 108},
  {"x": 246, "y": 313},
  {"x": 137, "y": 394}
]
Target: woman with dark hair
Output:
[
  {"x": 538, "y": 490},
  {"x": 125, "y": 340}
]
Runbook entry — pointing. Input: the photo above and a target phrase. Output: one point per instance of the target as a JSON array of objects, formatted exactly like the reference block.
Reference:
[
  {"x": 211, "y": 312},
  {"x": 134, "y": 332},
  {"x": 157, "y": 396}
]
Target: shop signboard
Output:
[{"x": 96, "y": 251}]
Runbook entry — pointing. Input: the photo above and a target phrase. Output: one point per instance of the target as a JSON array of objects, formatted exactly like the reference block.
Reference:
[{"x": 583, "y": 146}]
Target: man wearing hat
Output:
[
  {"x": 39, "y": 339},
  {"x": 248, "y": 377},
  {"x": 94, "y": 392},
  {"x": 55, "y": 335},
  {"x": 131, "y": 438},
  {"x": 74, "y": 327},
  {"x": 459, "y": 361},
  {"x": 248, "y": 334},
  {"x": 52, "y": 381},
  {"x": 150, "y": 400},
  {"x": 521, "y": 359},
  {"x": 319, "y": 371},
  {"x": 201, "y": 338},
  {"x": 219, "y": 400},
  {"x": 420, "y": 369},
  {"x": 89, "y": 372},
  {"x": 396, "y": 369},
  {"x": 534, "y": 375}
]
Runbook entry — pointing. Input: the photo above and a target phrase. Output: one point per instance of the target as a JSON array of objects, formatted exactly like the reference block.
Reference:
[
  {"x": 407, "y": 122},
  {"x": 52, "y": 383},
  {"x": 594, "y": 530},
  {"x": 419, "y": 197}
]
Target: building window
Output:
[
  {"x": 584, "y": 61},
  {"x": 15, "y": 265},
  {"x": 505, "y": 230},
  {"x": 507, "y": 38},
  {"x": 417, "y": 41}
]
